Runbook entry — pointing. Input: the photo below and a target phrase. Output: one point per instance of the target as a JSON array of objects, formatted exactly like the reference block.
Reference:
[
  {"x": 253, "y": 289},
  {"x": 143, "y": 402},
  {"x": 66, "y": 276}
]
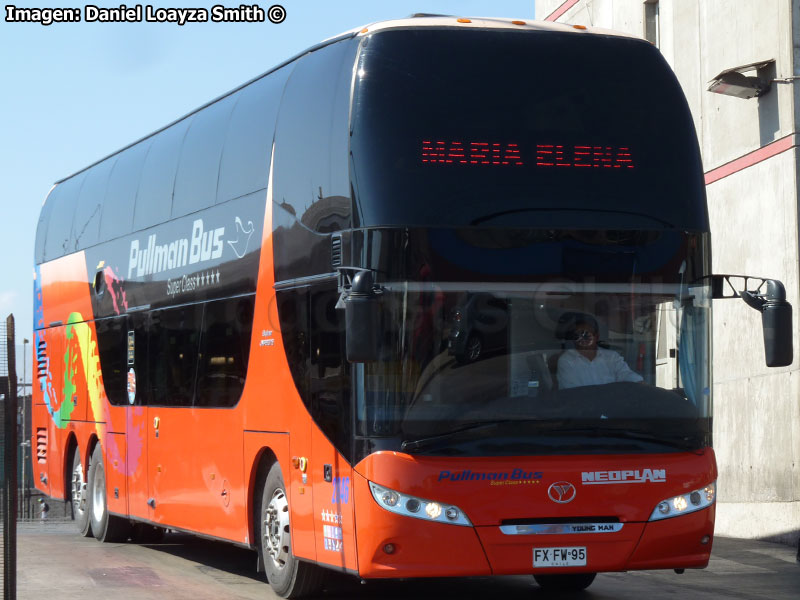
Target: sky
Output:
[{"x": 76, "y": 92}]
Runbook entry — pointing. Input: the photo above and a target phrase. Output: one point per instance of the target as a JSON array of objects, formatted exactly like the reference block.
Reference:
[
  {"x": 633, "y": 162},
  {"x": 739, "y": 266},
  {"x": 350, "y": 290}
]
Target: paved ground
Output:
[{"x": 53, "y": 562}]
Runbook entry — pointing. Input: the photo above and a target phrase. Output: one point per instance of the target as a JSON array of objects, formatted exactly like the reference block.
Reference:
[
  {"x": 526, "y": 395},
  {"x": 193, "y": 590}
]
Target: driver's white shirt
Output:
[{"x": 575, "y": 370}]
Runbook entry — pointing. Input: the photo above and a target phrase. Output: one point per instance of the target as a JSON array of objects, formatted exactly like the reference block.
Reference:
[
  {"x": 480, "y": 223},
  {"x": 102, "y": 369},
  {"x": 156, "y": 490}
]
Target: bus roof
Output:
[{"x": 427, "y": 20}]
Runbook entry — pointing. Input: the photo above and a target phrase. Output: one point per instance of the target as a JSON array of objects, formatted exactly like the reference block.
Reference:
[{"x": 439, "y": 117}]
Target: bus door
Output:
[
  {"x": 173, "y": 336},
  {"x": 329, "y": 404}
]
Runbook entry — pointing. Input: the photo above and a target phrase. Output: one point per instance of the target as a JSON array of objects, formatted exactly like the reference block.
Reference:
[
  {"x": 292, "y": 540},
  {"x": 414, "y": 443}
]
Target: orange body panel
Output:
[
  {"x": 116, "y": 481},
  {"x": 421, "y": 549},
  {"x": 676, "y": 543},
  {"x": 494, "y": 491},
  {"x": 333, "y": 506}
]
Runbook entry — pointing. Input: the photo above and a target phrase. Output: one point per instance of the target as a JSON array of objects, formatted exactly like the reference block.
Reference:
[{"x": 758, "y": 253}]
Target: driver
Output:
[{"x": 589, "y": 364}]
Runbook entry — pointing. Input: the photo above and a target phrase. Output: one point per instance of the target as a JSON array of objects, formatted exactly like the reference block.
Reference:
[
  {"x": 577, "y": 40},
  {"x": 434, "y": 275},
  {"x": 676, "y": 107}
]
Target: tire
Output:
[
  {"x": 288, "y": 576},
  {"x": 105, "y": 527},
  {"x": 79, "y": 496},
  {"x": 565, "y": 583}
]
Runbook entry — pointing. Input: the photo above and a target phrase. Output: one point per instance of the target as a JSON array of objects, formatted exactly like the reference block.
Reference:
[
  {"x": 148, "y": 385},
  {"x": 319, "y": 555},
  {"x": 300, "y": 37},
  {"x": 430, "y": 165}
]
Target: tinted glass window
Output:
[
  {"x": 86, "y": 222},
  {"x": 330, "y": 376},
  {"x": 138, "y": 325},
  {"x": 224, "y": 351},
  {"x": 173, "y": 340},
  {"x": 293, "y": 314},
  {"x": 198, "y": 168},
  {"x": 154, "y": 199},
  {"x": 246, "y": 156},
  {"x": 501, "y": 128},
  {"x": 117, "y": 219},
  {"x": 112, "y": 348},
  {"x": 44, "y": 221},
  {"x": 311, "y": 144},
  {"x": 59, "y": 227}
]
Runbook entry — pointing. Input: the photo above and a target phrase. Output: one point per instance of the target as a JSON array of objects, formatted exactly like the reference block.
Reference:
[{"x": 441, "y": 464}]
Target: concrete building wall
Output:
[{"x": 750, "y": 158}]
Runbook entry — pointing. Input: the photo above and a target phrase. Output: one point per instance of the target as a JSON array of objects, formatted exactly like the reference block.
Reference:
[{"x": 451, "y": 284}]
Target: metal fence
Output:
[{"x": 9, "y": 463}]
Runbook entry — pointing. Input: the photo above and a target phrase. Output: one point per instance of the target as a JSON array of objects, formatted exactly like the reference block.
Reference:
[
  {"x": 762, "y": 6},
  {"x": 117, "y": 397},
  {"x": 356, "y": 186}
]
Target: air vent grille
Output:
[
  {"x": 41, "y": 359},
  {"x": 336, "y": 251},
  {"x": 41, "y": 445}
]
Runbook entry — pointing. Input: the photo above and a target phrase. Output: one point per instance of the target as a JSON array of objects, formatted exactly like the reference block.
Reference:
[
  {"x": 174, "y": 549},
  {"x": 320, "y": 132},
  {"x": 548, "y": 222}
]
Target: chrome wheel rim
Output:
[
  {"x": 276, "y": 529},
  {"x": 78, "y": 491},
  {"x": 98, "y": 495}
]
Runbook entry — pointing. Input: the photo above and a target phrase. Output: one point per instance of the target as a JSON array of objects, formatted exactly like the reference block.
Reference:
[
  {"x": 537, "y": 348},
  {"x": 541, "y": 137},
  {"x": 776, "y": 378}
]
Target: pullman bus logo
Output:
[
  {"x": 156, "y": 257},
  {"x": 562, "y": 492}
]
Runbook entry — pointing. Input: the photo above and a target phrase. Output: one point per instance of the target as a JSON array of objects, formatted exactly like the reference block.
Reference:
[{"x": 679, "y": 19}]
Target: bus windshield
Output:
[
  {"x": 499, "y": 129},
  {"x": 599, "y": 362}
]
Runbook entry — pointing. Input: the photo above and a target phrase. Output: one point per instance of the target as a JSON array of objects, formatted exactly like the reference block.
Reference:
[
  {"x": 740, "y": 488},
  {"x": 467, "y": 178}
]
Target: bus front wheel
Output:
[
  {"x": 566, "y": 583},
  {"x": 288, "y": 576},
  {"x": 105, "y": 527}
]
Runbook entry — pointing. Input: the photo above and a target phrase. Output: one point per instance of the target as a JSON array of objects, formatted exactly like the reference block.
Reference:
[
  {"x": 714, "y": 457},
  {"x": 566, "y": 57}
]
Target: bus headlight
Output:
[
  {"x": 410, "y": 506},
  {"x": 685, "y": 503}
]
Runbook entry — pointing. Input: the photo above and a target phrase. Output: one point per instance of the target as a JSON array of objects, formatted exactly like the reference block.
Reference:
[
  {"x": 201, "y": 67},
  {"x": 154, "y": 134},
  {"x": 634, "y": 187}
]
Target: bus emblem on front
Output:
[{"x": 562, "y": 492}]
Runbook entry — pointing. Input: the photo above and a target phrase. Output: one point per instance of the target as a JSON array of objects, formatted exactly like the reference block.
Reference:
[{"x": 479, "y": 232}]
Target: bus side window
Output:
[
  {"x": 59, "y": 226},
  {"x": 154, "y": 198},
  {"x": 293, "y": 315},
  {"x": 86, "y": 220},
  {"x": 117, "y": 217},
  {"x": 198, "y": 167},
  {"x": 112, "y": 350},
  {"x": 248, "y": 145},
  {"x": 330, "y": 375},
  {"x": 173, "y": 339},
  {"x": 224, "y": 351}
]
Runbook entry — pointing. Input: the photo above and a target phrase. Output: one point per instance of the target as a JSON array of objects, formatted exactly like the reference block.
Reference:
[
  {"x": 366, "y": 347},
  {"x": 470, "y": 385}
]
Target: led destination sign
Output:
[{"x": 452, "y": 152}]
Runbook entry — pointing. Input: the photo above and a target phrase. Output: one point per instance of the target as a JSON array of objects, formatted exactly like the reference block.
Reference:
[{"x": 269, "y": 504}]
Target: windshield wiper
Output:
[{"x": 409, "y": 445}]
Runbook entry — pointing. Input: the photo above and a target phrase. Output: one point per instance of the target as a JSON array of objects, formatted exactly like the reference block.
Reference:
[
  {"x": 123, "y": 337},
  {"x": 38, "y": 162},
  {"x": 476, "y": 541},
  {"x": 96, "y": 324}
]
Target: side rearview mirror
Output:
[
  {"x": 769, "y": 297},
  {"x": 362, "y": 319}
]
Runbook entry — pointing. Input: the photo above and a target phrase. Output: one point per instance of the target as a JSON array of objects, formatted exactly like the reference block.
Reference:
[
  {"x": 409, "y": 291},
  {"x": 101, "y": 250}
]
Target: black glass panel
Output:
[
  {"x": 117, "y": 219},
  {"x": 173, "y": 340},
  {"x": 154, "y": 198},
  {"x": 224, "y": 351},
  {"x": 330, "y": 373},
  {"x": 59, "y": 226},
  {"x": 198, "y": 168},
  {"x": 518, "y": 129},
  {"x": 86, "y": 221},
  {"x": 113, "y": 351},
  {"x": 244, "y": 167},
  {"x": 44, "y": 222}
]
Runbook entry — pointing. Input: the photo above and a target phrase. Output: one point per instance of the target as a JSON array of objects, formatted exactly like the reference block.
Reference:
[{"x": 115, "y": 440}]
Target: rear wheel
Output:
[
  {"x": 79, "y": 496},
  {"x": 105, "y": 527},
  {"x": 288, "y": 576},
  {"x": 573, "y": 582}
]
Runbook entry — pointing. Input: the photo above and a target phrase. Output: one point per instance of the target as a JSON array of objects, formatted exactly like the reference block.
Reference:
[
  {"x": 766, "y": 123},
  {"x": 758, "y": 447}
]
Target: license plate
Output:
[{"x": 572, "y": 556}]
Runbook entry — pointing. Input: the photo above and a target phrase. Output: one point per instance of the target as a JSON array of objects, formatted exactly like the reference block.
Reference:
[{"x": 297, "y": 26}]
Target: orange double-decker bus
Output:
[{"x": 430, "y": 299}]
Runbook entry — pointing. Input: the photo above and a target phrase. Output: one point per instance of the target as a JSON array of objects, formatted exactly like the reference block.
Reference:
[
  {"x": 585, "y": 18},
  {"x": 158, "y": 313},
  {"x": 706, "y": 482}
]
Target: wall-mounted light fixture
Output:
[{"x": 734, "y": 82}]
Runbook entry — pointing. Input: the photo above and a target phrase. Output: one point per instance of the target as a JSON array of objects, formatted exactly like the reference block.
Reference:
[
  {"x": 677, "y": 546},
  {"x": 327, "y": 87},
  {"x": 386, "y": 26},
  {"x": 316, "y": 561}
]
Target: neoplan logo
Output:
[{"x": 612, "y": 477}]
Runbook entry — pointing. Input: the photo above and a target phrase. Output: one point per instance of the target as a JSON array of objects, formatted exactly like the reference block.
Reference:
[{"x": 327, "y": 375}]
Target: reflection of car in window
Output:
[{"x": 478, "y": 327}]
